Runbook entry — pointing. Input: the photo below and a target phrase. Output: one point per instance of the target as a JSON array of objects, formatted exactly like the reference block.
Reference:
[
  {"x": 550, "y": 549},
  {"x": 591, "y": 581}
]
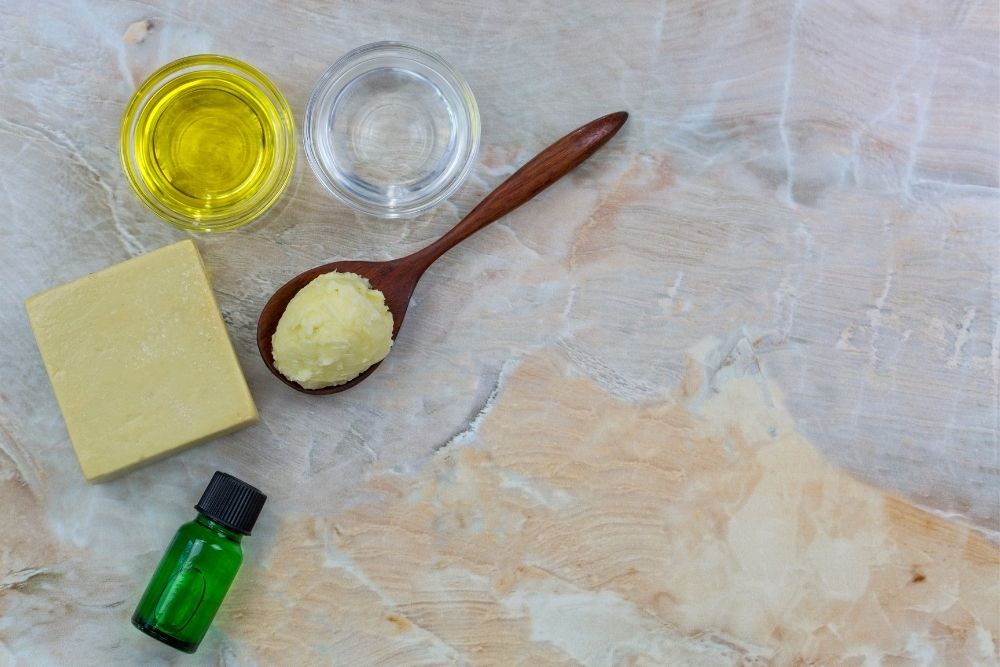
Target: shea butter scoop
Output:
[{"x": 396, "y": 279}]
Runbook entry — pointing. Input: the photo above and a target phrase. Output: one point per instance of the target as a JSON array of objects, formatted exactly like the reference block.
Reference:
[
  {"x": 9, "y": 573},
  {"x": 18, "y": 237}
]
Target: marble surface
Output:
[{"x": 726, "y": 395}]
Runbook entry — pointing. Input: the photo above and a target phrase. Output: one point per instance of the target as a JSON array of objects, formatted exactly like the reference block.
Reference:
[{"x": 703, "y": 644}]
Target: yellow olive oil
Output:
[
  {"x": 206, "y": 143},
  {"x": 208, "y": 148}
]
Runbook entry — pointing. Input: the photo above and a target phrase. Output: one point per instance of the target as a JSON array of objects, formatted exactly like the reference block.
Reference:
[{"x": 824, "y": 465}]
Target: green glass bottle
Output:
[{"x": 199, "y": 566}]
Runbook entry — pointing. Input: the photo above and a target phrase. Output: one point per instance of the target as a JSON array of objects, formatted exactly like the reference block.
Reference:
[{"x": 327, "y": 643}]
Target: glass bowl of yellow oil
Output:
[{"x": 208, "y": 143}]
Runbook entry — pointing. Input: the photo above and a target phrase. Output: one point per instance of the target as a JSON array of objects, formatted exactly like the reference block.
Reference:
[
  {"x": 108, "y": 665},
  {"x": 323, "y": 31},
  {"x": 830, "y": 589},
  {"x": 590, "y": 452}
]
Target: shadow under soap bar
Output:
[{"x": 140, "y": 361}]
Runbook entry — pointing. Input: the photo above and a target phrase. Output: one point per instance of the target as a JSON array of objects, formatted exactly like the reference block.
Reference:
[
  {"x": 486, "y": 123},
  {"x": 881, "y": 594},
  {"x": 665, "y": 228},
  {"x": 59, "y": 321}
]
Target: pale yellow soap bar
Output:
[{"x": 140, "y": 360}]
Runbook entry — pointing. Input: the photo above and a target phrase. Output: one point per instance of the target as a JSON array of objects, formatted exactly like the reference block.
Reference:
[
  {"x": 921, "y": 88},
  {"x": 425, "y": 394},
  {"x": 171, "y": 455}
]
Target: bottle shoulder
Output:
[{"x": 216, "y": 540}]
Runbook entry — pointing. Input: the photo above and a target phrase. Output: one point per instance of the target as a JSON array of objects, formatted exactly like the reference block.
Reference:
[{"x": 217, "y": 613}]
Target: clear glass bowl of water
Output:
[{"x": 391, "y": 129}]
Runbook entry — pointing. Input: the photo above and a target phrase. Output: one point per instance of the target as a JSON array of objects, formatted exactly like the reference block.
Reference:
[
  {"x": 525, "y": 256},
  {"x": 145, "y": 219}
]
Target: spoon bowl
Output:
[
  {"x": 381, "y": 275},
  {"x": 397, "y": 278}
]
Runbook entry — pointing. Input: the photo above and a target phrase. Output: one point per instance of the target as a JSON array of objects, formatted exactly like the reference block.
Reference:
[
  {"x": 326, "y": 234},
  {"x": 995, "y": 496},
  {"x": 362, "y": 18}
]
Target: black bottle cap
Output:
[{"x": 231, "y": 502}]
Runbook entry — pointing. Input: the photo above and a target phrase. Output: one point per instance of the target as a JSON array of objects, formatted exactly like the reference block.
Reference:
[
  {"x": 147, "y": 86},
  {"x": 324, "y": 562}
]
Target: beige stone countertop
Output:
[{"x": 728, "y": 394}]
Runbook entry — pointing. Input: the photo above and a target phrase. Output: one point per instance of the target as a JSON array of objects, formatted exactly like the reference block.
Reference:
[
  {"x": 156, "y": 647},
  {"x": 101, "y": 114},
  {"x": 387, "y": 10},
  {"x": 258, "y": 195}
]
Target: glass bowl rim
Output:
[{"x": 330, "y": 79}]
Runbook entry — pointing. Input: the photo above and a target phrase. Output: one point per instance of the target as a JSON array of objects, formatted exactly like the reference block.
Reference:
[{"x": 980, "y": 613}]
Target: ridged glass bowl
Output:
[{"x": 391, "y": 129}]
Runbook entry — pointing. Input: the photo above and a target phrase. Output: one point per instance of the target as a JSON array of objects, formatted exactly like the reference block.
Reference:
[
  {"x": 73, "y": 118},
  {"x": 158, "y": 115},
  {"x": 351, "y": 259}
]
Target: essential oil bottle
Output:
[{"x": 200, "y": 564}]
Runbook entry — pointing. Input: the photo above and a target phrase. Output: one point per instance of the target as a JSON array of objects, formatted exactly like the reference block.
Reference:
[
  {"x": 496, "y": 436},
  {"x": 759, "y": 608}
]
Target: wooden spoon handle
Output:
[{"x": 542, "y": 171}]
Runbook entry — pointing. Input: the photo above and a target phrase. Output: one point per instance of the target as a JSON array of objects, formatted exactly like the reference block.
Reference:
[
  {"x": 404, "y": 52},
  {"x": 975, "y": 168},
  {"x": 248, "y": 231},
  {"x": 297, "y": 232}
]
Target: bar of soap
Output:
[{"x": 140, "y": 361}]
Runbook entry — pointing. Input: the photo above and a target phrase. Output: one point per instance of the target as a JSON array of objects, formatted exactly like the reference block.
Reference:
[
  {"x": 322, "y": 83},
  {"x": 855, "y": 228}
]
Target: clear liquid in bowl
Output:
[
  {"x": 393, "y": 131},
  {"x": 394, "y": 134}
]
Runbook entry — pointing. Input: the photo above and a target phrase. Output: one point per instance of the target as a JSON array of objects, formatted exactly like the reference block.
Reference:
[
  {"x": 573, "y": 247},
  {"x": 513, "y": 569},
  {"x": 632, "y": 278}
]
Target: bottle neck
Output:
[{"x": 218, "y": 528}]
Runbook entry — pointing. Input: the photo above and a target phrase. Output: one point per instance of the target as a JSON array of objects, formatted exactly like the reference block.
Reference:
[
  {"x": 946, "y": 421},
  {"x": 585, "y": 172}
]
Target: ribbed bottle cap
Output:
[{"x": 231, "y": 502}]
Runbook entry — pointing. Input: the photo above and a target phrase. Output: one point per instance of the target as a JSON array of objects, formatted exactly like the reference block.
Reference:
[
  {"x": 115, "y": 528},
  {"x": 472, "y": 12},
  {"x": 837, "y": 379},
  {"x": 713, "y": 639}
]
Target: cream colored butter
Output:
[
  {"x": 140, "y": 360},
  {"x": 333, "y": 330}
]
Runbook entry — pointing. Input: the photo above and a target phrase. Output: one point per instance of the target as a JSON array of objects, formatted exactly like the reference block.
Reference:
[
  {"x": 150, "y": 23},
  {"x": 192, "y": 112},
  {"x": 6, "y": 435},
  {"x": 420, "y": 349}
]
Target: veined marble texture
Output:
[{"x": 728, "y": 394}]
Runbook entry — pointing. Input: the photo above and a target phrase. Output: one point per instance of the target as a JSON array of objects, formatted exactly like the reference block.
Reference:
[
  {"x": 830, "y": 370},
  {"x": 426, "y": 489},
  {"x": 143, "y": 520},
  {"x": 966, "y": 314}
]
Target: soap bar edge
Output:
[{"x": 107, "y": 477}]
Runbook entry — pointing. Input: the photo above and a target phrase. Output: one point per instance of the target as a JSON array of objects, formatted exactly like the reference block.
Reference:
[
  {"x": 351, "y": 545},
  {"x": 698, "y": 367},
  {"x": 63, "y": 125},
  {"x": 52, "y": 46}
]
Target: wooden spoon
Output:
[{"x": 397, "y": 278}]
